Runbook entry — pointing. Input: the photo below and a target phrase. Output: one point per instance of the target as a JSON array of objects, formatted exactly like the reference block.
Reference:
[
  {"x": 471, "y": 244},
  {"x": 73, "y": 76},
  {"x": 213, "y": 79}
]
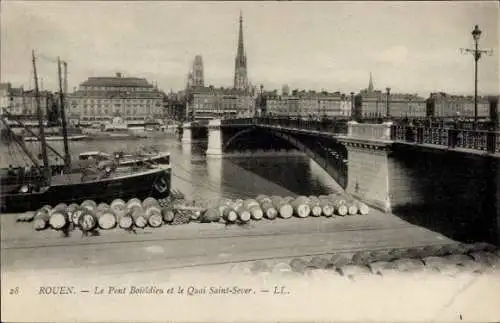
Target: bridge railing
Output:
[
  {"x": 369, "y": 131},
  {"x": 483, "y": 140},
  {"x": 330, "y": 126}
]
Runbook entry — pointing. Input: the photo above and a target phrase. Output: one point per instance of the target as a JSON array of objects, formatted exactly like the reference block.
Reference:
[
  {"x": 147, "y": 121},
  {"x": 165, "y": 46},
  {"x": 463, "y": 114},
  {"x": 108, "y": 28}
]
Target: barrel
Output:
[
  {"x": 59, "y": 218},
  {"x": 261, "y": 199},
  {"x": 301, "y": 207},
  {"x": 102, "y": 207},
  {"x": 60, "y": 206},
  {"x": 89, "y": 204},
  {"x": 210, "y": 215},
  {"x": 224, "y": 202},
  {"x": 118, "y": 204},
  {"x": 314, "y": 205},
  {"x": 270, "y": 212},
  {"x": 314, "y": 199},
  {"x": 41, "y": 219},
  {"x": 363, "y": 209},
  {"x": 244, "y": 214},
  {"x": 139, "y": 217},
  {"x": 106, "y": 218},
  {"x": 87, "y": 221},
  {"x": 327, "y": 208},
  {"x": 250, "y": 203},
  {"x": 154, "y": 216},
  {"x": 124, "y": 219},
  {"x": 150, "y": 201},
  {"x": 77, "y": 213},
  {"x": 168, "y": 214},
  {"x": 72, "y": 208},
  {"x": 256, "y": 212},
  {"x": 229, "y": 214},
  {"x": 285, "y": 210},
  {"x": 132, "y": 202},
  {"x": 352, "y": 208},
  {"x": 46, "y": 208},
  {"x": 341, "y": 207},
  {"x": 276, "y": 199}
]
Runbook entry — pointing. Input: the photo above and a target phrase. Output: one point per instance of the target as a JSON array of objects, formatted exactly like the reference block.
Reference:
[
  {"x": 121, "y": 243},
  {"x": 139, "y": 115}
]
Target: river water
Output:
[{"x": 207, "y": 180}]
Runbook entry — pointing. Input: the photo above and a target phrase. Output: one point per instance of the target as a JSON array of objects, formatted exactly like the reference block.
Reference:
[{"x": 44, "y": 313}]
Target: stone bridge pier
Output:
[
  {"x": 368, "y": 163},
  {"x": 215, "y": 143},
  {"x": 187, "y": 136}
]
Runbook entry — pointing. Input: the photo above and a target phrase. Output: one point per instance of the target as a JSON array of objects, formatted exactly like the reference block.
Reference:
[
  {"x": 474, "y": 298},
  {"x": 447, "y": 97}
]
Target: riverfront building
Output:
[
  {"x": 446, "y": 105},
  {"x": 22, "y": 103},
  {"x": 210, "y": 102},
  {"x": 376, "y": 103},
  {"x": 308, "y": 104},
  {"x": 102, "y": 98}
]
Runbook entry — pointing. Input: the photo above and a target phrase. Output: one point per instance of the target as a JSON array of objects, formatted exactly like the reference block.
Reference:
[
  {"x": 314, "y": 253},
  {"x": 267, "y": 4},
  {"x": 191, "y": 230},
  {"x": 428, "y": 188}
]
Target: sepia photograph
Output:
[{"x": 249, "y": 161}]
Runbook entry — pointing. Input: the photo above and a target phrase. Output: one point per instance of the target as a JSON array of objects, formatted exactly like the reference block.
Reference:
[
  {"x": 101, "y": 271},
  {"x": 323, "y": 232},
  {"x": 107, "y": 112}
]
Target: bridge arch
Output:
[{"x": 336, "y": 167}]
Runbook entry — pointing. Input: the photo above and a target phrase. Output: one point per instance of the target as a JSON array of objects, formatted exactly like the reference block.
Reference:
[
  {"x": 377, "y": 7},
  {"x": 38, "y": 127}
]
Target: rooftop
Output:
[
  {"x": 214, "y": 90},
  {"x": 117, "y": 81}
]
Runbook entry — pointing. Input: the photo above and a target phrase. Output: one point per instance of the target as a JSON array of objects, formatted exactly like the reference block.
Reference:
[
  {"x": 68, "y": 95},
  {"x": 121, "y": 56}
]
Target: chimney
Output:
[{"x": 118, "y": 74}]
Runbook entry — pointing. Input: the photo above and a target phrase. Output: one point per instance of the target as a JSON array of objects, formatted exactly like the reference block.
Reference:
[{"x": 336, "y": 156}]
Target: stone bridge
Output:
[{"x": 445, "y": 179}]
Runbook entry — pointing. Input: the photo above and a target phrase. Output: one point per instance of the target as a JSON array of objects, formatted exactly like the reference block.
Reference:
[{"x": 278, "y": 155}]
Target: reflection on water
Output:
[{"x": 205, "y": 179}]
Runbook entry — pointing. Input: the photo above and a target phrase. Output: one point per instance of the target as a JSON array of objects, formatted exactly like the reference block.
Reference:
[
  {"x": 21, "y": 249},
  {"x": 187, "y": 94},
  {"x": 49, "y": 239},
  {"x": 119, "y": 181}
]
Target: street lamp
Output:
[
  {"x": 476, "y": 53},
  {"x": 388, "y": 111}
]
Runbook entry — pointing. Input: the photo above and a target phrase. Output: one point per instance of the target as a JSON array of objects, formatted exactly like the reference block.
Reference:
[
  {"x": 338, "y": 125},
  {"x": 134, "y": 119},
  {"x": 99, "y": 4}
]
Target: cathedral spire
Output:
[
  {"x": 240, "y": 66},
  {"x": 370, "y": 84},
  {"x": 241, "y": 49}
]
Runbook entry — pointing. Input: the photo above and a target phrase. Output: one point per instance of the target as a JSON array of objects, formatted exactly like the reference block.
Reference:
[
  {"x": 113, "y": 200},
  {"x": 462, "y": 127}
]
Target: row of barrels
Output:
[
  {"x": 153, "y": 213},
  {"x": 272, "y": 207},
  {"x": 89, "y": 215}
]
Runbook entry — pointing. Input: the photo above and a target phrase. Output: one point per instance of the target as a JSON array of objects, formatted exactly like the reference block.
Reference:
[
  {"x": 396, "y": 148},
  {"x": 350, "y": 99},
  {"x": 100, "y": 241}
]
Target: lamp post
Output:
[
  {"x": 476, "y": 53},
  {"x": 388, "y": 111}
]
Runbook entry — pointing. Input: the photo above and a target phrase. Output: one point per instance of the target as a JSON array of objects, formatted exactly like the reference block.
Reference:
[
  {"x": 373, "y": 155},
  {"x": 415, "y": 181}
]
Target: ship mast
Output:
[
  {"x": 40, "y": 122},
  {"x": 67, "y": 157}
]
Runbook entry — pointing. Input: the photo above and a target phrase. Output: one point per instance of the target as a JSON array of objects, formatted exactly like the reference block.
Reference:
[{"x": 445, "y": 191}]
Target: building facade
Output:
[
  {"x": 209, "y": 103},
  {"x": 102, "y": 98},
  {"x": 372, "y": 103},
  {"x": 446, "y": 105},
  {"x": 174, "y": 106},
  {"x": 308, "y": 105},
  {"x": 21, "y": 103}
]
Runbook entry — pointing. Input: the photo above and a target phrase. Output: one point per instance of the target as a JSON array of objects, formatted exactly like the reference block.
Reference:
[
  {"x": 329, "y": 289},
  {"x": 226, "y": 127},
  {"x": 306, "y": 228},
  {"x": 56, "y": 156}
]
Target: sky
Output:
[{"x": 411, "y": 47}]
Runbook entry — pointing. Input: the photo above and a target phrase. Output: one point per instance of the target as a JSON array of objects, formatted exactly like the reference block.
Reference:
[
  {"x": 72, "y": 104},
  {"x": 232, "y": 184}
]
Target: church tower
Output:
[
  {"x": 198, "y": 79},
  {"x": 240, "y": 66},
  {"x": 370, "y": 84}
]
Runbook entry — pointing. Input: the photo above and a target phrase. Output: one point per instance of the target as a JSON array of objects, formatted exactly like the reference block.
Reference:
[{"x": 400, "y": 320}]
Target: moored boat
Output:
[
  {"x": 30, "y": 188},
  {"x": 129, "y": 159}
]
